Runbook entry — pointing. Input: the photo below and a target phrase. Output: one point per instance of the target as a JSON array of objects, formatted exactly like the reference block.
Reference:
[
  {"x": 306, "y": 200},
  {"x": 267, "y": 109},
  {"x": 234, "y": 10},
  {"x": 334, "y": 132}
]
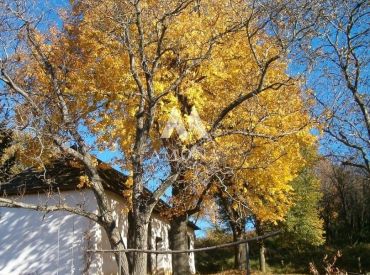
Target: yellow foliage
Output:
[
  {"x": 84, "y": 182},
  {"x": 270, "y": 129}
]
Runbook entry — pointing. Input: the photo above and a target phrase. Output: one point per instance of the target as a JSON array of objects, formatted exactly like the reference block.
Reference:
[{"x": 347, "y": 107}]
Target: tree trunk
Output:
[
  {"x": 131, "y": 238},
  {"x": 108, "y": 222},
  {"x": 116, "y": 243},
  {"x": 179, "y": 241},
  {"x": 247, "y": 259},
  {"x": 261, "y": 244},
  {"x": 179, "y": 238},
  {"x": 240, "y": 255},
  {"x": 262, "y": 257},
  {"x": 139, "y": 264},
  {"x": 141, "y": 211}
]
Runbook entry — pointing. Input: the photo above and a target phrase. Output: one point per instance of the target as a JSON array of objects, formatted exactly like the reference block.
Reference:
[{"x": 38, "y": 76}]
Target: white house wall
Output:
[
  {"x": 56, "y": 243},
  {"x": 34, "y": 243},
  {"x": 161, "y": 264},
  {"x": 120, "y": 214},
  {"x": 191, "y": 255}
]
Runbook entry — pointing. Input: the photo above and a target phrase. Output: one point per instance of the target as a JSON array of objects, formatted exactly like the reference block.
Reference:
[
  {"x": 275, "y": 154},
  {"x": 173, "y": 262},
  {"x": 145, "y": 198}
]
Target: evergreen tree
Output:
[{"x": 303, "y": 224}]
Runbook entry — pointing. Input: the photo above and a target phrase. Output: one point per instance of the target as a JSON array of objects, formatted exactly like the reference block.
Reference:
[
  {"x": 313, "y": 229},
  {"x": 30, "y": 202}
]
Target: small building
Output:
[{"x": 34, "y": 242}]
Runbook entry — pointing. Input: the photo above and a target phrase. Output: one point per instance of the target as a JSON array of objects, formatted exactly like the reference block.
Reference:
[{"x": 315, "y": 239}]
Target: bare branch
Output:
[{"x": 10, "y": 203}]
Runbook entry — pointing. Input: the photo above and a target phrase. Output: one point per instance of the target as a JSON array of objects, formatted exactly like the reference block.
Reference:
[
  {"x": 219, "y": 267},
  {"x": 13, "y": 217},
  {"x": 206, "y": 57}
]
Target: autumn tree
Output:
[
  {"x": 239, "y": 204},
  {"x": 299, "y": 222},
  {"x": 53, "y": 121},
  {"x": 195, "y": 89},
  {"x": 117, "y": 70}
]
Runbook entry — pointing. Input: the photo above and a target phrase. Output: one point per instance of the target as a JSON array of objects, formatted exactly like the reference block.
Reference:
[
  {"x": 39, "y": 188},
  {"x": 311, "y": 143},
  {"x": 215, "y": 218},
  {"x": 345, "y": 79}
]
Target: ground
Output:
[
  {"x": 237, "y": 272},
  {"x": 285, "y": 261}
]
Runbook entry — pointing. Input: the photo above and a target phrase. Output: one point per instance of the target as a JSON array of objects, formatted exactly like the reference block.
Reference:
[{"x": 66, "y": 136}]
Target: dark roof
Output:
[
  {"x": 60, "y": 175},
  {"x": 64, "y": 175}
]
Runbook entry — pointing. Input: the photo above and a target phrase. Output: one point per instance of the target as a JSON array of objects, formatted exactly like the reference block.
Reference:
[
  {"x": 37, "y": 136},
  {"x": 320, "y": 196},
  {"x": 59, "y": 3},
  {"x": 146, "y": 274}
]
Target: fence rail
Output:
[{"x": 130, "y": 250}]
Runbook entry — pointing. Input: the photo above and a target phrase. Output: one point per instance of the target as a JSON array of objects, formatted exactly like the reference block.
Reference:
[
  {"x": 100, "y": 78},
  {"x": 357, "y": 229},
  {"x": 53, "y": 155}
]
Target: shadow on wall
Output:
[
  {"x": 160, "y": 263},
  {"x": 31, "y": 243}
]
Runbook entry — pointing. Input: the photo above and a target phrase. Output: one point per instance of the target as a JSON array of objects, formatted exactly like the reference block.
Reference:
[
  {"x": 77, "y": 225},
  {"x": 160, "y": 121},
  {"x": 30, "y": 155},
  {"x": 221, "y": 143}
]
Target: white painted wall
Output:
[
  {"x": 191, "y": 246},
  {"x": 34, "y": 243},
  {"x": 161, "y": 263},
  {"x": 109, "y": 265}
]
